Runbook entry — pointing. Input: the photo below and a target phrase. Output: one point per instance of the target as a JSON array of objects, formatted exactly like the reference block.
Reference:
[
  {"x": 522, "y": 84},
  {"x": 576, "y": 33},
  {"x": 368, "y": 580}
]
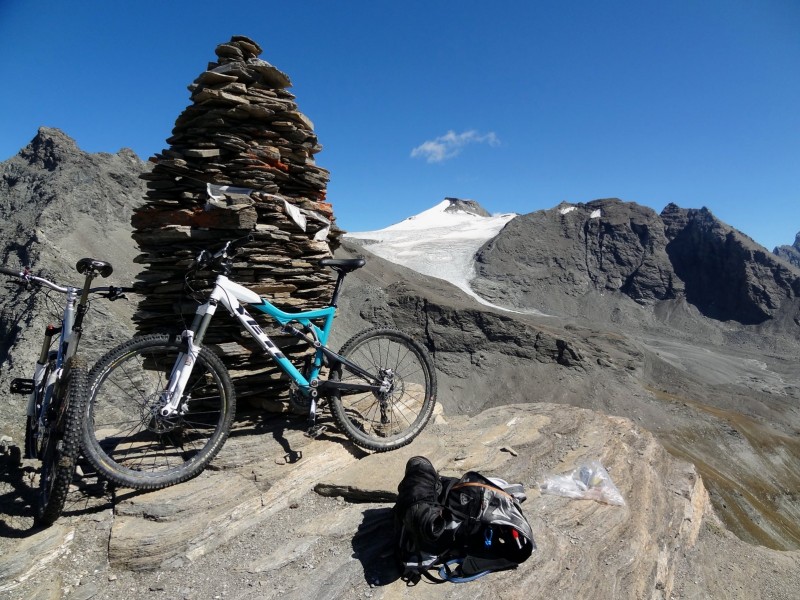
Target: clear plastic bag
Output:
[{"x": 589, "y": 481}]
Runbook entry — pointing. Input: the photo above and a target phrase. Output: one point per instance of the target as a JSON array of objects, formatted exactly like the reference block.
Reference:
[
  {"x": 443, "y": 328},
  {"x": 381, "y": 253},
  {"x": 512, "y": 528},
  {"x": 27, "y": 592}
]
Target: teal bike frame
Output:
[
  {"x": 304, "y": 318},
  {"x": 232, "y": 296}
]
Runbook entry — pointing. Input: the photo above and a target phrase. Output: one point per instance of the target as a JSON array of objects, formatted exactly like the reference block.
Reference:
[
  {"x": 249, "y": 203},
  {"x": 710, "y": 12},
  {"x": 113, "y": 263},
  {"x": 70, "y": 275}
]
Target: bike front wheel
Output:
[
  {"x": 61, "y": 441},
  {"x": 389, "y": 419},
  {"x": 126, "y": 438}
]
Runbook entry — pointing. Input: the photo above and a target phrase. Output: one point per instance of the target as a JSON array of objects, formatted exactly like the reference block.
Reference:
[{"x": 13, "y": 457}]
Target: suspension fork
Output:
[
  {"x": 40, "y": 387},
  {"x": 192, "y": 338}
]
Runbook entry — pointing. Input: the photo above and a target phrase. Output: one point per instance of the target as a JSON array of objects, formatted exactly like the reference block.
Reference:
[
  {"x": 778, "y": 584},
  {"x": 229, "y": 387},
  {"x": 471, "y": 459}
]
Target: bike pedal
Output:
[
  {"x": 22, "y": 386},
  {"x": 316, "y": 431}
]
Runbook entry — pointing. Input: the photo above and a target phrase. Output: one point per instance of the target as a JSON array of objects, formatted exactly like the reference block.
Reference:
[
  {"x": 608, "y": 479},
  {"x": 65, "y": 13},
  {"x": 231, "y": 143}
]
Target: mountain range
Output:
[
  {"x": 573, "y": 259},
  {"x": 674, "y": 321}
]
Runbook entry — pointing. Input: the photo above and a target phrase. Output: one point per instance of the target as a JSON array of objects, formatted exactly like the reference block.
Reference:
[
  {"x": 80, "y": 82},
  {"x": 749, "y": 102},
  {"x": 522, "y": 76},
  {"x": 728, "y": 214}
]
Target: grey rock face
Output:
[
  {"x": 727, "y": 275},
  {"x": 51, "y": 183},
  {"x": 467, "y": 206},
  {"x": 59, "y": 204},
  {"x": 550, "y": 260},
  {"x": 565, "y": 259},
  {"x": 790, "y": 253}
]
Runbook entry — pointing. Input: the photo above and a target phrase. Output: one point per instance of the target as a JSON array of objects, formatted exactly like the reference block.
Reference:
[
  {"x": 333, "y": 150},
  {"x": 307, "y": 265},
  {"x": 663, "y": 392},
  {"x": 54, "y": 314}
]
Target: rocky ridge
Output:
[
  {"x": 278, "y": 515},
  {"x": 727, "y": 276},
  {"x": 589, "y": 257},
  {"x": 790, "y": 253},
  {"x": 59, "y": 204}
]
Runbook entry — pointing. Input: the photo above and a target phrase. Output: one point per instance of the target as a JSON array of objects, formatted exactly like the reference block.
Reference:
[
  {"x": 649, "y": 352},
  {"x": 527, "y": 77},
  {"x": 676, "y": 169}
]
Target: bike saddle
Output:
[
  {"x": 343, "y": 265},
  {"x": 90, "y": 264}
]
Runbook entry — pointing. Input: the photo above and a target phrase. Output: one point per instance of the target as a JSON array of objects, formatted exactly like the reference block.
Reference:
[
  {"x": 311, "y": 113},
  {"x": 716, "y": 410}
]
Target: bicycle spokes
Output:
[
  {"x": 130, "y": 425},
  {"x": 398, "y": 399}
]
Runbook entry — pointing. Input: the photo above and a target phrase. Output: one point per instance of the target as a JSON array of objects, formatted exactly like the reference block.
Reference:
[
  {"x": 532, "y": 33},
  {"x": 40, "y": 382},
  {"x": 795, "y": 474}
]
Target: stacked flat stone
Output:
[{"x": 244, "y": 136}]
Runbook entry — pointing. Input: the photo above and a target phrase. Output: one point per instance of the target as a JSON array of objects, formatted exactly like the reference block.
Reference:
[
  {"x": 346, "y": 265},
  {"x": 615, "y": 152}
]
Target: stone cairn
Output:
[{"x": 240, "y": 162}]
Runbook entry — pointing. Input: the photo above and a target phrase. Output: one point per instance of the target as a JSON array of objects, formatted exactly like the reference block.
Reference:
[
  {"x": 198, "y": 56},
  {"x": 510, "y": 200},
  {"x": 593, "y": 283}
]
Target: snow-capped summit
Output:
[
  {"x": 467, "y": 206},
  {"x": 448, "y": 213},
  {"x": 439, "y": 242}
]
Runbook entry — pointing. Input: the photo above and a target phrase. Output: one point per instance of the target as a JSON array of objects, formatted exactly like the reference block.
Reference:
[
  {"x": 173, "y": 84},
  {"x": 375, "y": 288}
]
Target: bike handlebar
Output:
[
  {"x": 114, "y": 292},
  {"x": 228, "y": 250},
  {"x": 28, "y": 278}
]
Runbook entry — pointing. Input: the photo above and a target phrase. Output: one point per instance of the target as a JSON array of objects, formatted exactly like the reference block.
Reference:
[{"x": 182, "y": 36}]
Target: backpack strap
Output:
[
  {"x": 483, "y": 485},
  {"x": 448, "y": 571},
  {"x": 412, "y": 578},
  {"x": 454, "y": 575}
]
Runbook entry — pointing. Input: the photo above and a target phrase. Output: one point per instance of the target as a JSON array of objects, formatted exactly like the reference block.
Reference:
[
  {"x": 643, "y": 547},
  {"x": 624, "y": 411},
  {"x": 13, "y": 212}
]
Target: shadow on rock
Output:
[
  {"x": 279, "y": 425},
  {"x": 17, "y": 497},
  {"x": 373, "y": 546}
]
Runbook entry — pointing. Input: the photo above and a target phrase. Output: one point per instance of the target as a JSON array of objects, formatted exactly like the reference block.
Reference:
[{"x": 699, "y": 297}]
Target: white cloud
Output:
[{"x": 450, "y": 145}]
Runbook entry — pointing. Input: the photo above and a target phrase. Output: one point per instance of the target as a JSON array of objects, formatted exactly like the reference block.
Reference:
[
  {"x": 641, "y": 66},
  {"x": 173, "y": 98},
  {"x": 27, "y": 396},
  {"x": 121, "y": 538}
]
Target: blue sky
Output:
[{"x": 518, "y": 105}]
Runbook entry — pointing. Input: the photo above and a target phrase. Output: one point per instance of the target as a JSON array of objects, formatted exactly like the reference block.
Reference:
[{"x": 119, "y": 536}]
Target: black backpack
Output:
[{"x": 461, "y": 529}]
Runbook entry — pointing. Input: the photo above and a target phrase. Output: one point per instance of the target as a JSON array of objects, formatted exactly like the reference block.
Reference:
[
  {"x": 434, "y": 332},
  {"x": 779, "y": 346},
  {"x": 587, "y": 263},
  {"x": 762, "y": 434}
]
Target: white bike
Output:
[{"x": 161, "y": 407}]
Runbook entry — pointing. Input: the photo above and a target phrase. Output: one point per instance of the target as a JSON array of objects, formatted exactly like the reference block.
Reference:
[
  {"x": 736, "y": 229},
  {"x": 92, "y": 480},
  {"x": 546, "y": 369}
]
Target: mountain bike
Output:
[
  {"x": 160, "y": 407},
  {"x": 57, "y": 391}
]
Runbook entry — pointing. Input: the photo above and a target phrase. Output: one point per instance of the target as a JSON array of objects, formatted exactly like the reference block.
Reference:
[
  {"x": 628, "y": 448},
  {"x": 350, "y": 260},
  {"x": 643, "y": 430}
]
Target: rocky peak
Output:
[
  {"x": 727, "y": 275},
  {"x": 466, "y": 206},
  {"x": 49, "y": 148},
  {"x": 611, "y": 245},
  {"x": 601, "y": 246},
  {"x": 59, "y": 204},
  {"x": 790, "y": 253}
]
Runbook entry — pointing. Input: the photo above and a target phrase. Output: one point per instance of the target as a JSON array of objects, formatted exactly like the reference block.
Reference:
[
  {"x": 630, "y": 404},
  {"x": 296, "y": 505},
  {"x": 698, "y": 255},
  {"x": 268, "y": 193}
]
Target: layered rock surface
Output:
[{"x": 282, "y": 516}]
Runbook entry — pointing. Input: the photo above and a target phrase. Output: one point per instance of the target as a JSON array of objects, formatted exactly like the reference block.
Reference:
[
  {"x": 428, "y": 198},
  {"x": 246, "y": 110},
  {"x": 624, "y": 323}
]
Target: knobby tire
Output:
[
  {"x": 123, "y": 436},
  {"x": 61, "y": 445}
]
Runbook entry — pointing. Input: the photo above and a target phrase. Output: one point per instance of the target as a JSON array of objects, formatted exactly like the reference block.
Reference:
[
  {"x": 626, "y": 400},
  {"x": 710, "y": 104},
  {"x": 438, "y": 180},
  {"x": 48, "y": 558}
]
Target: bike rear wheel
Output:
[
  {"x": 389, "y": 420},
  {"x": 125, "y": 437},
  {"x": 61, "y": 443}
]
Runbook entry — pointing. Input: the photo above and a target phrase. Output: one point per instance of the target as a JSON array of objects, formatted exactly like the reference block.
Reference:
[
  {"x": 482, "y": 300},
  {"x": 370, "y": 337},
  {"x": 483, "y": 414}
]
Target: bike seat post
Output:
[
  {"x": 87, "y": 283},
  {"x": 83, "y": 302},
  {"x": 342, "y": 268},
  {"x": 337, "y": 288}
]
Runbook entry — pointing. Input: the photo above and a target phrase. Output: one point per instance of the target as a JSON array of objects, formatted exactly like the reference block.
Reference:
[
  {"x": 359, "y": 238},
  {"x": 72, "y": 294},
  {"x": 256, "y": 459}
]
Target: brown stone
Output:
[{"x": 243, "y": 129}]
